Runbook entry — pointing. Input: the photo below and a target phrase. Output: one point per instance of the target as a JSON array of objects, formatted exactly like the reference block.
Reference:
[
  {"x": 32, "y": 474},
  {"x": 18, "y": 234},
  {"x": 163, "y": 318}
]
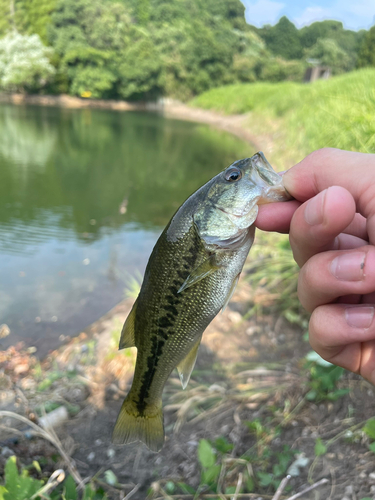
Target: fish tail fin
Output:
[{"x": 133, "y": 426}]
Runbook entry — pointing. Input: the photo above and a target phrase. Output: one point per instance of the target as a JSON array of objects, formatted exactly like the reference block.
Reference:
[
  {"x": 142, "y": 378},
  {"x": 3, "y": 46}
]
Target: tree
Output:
[
  {"x": 282, "y": 39},
  {"x": 329, "y": 54},
  {"x": 366, "y": 55},
  {"x": 24, "y": 63}
]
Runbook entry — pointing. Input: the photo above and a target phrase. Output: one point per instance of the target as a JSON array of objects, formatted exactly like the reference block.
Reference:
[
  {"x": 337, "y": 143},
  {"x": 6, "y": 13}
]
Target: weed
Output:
[
  {"x": 337, "y": 112},
  {"x": 133, "y": 285},
  {"x": 323, "y": 379},
  {"x": 273, "y": 274},
  {"x": 369, "y": 430}
]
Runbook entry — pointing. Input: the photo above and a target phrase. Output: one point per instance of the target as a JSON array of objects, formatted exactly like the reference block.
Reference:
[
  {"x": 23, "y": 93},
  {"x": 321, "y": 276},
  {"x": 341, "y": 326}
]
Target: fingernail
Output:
[
  {"x": 349, "y": 267},
  {"x": 360, "y": 316},
  {"x": 314, "y": 209}
]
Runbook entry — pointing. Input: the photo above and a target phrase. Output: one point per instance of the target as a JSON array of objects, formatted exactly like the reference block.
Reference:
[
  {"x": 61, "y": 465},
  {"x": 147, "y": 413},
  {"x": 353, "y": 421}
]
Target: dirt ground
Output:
[{"x": 246, "y": 370}]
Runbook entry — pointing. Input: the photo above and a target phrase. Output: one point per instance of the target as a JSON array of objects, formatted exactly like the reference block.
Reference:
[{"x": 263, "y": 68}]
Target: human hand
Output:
[{"x": 332, "y": 234}]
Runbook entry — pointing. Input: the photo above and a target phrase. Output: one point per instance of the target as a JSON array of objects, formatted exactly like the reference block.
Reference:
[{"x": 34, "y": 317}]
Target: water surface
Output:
[{"x": 84, "y": 195}]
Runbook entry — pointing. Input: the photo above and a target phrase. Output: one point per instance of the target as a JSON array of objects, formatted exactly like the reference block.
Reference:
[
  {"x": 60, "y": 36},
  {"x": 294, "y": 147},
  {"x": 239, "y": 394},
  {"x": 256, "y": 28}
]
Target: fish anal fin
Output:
[
  {"x": 231, "y": 291},
  {"x": 205, "y": 269},
  {"x": 127, "y": 338},
  {"x": 186, "y": 366},
  {"x": 132, "y": 426}
]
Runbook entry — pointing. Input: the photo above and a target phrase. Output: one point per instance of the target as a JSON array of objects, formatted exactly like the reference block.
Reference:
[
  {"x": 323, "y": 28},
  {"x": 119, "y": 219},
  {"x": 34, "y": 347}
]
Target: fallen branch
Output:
[
  {"x": 310, "y": 488},
  {"x": 281, "y": 488}
]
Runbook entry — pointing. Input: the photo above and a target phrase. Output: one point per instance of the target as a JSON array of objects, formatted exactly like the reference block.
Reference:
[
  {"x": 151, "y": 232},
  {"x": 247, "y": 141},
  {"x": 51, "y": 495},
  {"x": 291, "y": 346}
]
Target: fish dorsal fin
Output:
[
  {"x": 186, "y": 366},
  {"x": 127, "y": 338},
  {"x": 207, "y": 267},
  {"x": 231, "y": 291}
]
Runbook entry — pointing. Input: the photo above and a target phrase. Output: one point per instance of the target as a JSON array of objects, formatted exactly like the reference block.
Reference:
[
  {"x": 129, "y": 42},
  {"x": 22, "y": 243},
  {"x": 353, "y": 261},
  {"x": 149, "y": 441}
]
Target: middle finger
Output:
[{"x": 330, "y": 275}]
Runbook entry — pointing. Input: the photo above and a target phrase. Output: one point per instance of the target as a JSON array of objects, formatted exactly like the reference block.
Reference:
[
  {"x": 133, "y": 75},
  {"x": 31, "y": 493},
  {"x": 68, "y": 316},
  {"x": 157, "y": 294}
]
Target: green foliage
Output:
[
  {"x": 21, "y": 486},
  {"x": 369, "y": 430},
  {"x": 282, "y": 39},
  {"x": 323, "y": 381},
  {"x": 285, "y": 40},
  {"x": 366, "y": 55},
  {"x": 320, "y": 448},
  {"x": 207, "y": 459},
  {"x": 24, "y": 63},
  {"x": 332, "y": 113},
  {"x": 329, "y": 53},
  {"x": 18, "y": 486},
  {"x": 26, "y": 16}
]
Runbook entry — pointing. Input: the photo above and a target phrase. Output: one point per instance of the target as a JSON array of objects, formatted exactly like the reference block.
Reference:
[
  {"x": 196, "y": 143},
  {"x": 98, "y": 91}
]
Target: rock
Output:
[
  {"x": 234, "y": 316},
  {"x": 54, "y": 418},
  {"x": 91, "y": 456},
  {"x": 349, "y": 490}
]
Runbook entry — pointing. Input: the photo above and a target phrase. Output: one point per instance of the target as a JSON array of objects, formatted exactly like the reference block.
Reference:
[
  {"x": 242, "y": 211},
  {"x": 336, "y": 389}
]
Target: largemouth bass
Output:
[{"x": 191, "y": 274}]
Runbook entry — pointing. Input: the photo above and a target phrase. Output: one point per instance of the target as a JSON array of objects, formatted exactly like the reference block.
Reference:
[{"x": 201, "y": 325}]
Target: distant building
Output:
[{"x": 316, "y": 71}]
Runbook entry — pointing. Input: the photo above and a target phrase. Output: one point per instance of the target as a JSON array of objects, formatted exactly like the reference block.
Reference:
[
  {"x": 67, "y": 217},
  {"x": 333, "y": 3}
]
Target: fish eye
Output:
[{"x": 233, "y": 174}]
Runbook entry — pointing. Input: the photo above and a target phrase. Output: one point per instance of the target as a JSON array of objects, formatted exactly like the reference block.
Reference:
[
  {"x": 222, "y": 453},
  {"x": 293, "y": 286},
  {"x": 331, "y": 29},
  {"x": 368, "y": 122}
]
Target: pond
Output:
[{"x": 84, "y": 195}]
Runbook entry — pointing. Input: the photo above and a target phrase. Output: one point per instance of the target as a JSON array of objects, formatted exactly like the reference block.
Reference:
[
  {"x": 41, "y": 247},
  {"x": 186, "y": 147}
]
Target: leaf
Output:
[
  {"x": 222, "y": 445},
  {"x": 206, "y": 455},
  {"x": 70, "y": 489},
  {"x": 211, "y": 474},
  {"x": 265, "y": 479},
  {"x": 372, "y": 447},
  {"x": 37, "y": 466},
  {"x": 369, "y": 428},
  {"x": 19, "y": 487},
  {"x": 320, "y": 448},
  {"x": 334, "y": 396},
  {"x": 170, "y": 487},
  {"x": 3, "y": 490},
  {"x": 186, "y": 488},
  {"x": 110, "y": 477},
  {"x": 311, "y": 395},
  {"x": 11, "y": 474}
]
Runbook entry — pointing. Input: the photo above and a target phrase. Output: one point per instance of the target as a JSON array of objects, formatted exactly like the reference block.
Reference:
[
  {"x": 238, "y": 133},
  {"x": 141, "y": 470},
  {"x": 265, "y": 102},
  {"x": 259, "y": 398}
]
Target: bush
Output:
[{"x": 24, "y": 63}]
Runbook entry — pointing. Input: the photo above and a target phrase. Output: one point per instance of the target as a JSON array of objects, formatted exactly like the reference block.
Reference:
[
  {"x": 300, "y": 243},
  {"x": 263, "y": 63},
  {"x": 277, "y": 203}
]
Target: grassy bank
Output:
[{"x": 301, "y": 118}]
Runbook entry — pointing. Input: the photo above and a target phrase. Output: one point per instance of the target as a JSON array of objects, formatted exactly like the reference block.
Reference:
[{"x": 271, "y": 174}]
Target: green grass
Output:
[{"x": 303, "y": 117}]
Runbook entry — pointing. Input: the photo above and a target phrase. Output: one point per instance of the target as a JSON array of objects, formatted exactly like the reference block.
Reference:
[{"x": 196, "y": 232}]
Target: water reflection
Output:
[{"x": 83, "y": 197}]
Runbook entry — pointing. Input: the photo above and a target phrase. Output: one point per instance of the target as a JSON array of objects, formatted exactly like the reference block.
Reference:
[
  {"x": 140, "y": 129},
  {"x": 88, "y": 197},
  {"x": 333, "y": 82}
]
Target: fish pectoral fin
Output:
[
  {"x": 186, "y": 366},
  {"x": 207, "y": 267},
  {"x": 127, "y": 338},
  {"x": 231, "y": 291}
]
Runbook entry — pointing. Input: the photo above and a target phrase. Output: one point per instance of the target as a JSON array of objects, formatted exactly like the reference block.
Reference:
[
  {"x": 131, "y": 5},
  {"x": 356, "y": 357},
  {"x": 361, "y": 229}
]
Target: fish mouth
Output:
[{"x": 228, "y": 213}]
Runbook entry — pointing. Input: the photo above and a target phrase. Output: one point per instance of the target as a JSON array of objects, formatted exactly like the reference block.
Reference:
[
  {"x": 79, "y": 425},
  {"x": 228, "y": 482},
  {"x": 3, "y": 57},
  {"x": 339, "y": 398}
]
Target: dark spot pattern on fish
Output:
[
  {"x": 165, "y": 325},
  {"x": 152, "y": 363}
]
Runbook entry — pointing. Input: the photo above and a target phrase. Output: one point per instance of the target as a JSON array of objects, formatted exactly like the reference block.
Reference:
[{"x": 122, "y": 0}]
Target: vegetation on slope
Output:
[{"x": 329, "y": 113}]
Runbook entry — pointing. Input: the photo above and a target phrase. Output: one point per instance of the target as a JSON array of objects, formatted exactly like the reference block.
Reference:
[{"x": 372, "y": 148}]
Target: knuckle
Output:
[
  {"x": 321, "y": 154},
  {"x": 305, "y": 286},
  {"x": 317, "y": 334}
]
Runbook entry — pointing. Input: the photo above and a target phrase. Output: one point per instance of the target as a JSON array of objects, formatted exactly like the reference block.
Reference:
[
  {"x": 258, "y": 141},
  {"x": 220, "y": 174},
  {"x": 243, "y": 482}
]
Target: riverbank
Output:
[
  {"x": 234, "y": 124},
  {"x": 251, "y": 396}
]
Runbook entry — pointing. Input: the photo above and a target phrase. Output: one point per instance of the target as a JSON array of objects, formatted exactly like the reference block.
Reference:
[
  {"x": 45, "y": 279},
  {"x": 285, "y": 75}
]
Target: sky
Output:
[{"x": 354, "y": 14}]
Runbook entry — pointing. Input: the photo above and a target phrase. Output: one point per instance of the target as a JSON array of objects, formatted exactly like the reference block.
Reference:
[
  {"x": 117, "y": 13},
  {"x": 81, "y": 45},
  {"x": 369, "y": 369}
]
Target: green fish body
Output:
[{"x": 191, "y": 275}]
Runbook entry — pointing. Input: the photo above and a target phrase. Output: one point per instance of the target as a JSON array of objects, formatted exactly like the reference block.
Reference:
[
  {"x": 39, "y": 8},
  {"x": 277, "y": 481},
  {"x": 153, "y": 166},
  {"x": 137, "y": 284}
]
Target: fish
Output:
[{"x": 190, "y": 276}]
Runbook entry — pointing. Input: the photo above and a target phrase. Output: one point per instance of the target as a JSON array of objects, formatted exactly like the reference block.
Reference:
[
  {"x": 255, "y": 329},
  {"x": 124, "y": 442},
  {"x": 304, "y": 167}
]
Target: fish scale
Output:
[{"x": 190, "y": 276}]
